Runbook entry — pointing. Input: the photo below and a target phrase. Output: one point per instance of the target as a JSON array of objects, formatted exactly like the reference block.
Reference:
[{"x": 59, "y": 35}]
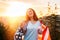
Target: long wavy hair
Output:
[{"x": 34, "y": 15}]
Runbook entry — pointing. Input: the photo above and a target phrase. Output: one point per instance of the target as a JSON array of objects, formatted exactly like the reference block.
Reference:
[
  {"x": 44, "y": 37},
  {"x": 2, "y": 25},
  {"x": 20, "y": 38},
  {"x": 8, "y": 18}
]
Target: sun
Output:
[{"x": 14, "y": 11}]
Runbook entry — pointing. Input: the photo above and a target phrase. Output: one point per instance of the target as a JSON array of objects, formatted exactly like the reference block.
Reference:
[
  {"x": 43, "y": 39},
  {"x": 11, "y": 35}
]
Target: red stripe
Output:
[{"x": 44, "y": 32}]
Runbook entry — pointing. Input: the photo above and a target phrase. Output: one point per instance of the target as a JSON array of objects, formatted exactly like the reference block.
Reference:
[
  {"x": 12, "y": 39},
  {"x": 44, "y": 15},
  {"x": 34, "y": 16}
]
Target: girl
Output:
[{"x": 29, "y": 28}]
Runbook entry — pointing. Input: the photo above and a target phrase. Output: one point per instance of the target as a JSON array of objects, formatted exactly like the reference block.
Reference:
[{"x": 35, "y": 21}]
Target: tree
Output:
[{"x": 2, "y": 32}]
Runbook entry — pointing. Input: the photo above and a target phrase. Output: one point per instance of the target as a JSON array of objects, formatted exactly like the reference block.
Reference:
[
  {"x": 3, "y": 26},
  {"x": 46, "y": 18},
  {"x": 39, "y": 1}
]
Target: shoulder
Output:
[{"x": 23, "y": 23}]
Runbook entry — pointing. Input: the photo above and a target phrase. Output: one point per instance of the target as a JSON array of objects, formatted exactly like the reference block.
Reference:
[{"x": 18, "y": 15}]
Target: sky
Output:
[{"x": 19, "y": 7}]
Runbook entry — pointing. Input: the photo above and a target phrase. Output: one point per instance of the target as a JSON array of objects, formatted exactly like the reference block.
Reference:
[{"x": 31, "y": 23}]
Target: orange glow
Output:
[
  {"x": 13, "y": 12},
  {"x": 16, "y": 9}
]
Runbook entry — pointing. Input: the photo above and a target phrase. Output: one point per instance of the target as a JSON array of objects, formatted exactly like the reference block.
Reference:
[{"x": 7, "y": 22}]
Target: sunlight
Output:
[
  {"x": 15, "y": 13},
  {"x": 16, "y": 9},
  {"x": 58, "y": 13}
]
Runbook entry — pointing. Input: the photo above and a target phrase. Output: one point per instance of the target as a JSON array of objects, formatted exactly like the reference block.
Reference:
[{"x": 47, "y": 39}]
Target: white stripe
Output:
[{"x": 46, "y": 35}]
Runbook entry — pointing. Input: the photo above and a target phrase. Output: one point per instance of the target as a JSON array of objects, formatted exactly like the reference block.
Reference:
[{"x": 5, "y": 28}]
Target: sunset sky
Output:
[
  {"x": 19, "y": 7},
  {"x": 12, "y": 10}
]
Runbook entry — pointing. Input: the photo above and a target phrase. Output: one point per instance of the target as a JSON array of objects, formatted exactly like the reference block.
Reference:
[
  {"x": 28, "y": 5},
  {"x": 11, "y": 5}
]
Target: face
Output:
[{"x": 30, "y": 13}]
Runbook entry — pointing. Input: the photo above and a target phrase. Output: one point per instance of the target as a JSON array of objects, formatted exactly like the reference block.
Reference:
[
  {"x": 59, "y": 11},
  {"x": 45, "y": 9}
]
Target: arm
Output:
[
  {"x": 41, "y": 28},
  {"x": 19, "y": 33}
]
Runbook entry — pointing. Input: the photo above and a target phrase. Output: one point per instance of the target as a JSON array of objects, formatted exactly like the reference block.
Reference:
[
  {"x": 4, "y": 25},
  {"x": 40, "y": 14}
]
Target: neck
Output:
[{"x": 32, "y": 19}]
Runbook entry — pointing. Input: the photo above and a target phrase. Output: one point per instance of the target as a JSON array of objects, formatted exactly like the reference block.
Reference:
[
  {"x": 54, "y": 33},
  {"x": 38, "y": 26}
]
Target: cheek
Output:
[
  {"x": 31, "y": 13},
  {"x": 28, "y": 14}
]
